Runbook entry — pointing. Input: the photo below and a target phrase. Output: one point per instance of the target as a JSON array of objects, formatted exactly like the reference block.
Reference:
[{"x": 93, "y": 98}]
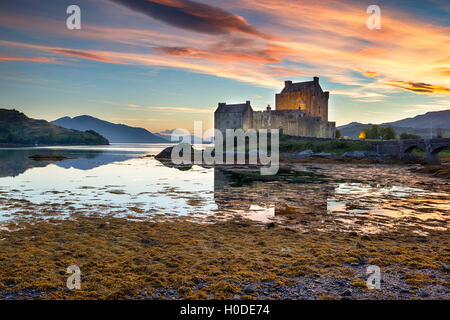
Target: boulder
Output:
[
  {"x": 359, "y": 154},
  {"x": 325, "y": 155},
  {"x": 166, "y": 154},
  {"x": 305, "y": 154}
]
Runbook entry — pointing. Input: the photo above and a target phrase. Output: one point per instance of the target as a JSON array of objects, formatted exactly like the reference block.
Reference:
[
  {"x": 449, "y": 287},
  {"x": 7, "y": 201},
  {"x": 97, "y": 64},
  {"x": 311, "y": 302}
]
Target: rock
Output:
[
  {"x": 372, "y": 154},
  {"x": 403, "y": 290},
  {"x": 359, "y": 154},
  {"x": 250, "y": 288},
  {"x": 325, "y": 155},
  {"x": 347, "y": 293},
  {"x": 270, "y": 225},
  {"x": 166, "y": 154},
  {"x": 348, "y": 154},
  {"x": 341, "y": 282},
  {"x": 423, "y": 293},
  {"x": 305, "y": 154}
]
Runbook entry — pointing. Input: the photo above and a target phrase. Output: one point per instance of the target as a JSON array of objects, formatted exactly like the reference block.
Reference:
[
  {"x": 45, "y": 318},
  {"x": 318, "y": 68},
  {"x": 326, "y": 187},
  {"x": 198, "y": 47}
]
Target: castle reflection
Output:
[{"x": 265, "y": 200}]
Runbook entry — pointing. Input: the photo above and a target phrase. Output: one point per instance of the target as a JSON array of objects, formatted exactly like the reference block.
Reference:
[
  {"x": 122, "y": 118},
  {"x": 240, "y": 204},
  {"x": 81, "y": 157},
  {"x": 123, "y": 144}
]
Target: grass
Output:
[
  {"x": 329, "y": 146},
  {"x": 445, "y": 153},
  {"x": 290, "y": 145}
]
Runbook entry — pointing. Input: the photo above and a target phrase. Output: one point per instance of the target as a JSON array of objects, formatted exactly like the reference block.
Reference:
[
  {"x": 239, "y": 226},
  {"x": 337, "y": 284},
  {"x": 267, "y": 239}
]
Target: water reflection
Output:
[
  {"x": 282, "y": 199},
  {"x": 338, "y": 205},
  {"x": 121, "y": 181},
  {"x": 15, "y": 161}
]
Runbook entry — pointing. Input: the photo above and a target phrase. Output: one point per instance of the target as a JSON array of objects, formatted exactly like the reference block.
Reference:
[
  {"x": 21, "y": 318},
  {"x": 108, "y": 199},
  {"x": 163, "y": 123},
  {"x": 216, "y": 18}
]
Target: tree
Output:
[
  {"x": 406, "y": 135},
  {"x": 375, "y": 132},
  {"x": 338, "y": 134},
  {"x": 378, "y": 132},
  {"x": 388, "y": 133}
]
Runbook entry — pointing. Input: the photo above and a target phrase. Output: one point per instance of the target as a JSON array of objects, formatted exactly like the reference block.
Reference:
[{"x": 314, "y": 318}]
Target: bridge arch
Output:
[
  {"x": 433, "y": 149},
  {"x": 411, "y": 147},
  {"x": 438, "y": 149}
]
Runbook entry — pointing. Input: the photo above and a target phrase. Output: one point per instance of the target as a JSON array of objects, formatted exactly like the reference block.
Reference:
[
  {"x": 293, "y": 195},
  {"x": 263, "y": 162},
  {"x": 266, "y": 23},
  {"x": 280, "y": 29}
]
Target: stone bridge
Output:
[{"x": 401, "y": 148}]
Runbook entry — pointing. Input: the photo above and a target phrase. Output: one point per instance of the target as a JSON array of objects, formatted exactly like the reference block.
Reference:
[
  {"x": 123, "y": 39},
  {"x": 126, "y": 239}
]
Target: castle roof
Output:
[
  {"x": 298, "y": 86},
  {"x": 234, "y": 108}
]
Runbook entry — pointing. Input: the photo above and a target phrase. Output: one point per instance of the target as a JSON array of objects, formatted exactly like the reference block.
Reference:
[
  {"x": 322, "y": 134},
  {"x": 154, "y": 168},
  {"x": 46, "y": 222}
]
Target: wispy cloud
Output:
[
  {"x": 181, "y": 109},
  {"x": 261, "y": 42},
  {"x": 418, "y": 87},
  {"x": 192, "y": 15},
  {"x": 30, "y": 59}
]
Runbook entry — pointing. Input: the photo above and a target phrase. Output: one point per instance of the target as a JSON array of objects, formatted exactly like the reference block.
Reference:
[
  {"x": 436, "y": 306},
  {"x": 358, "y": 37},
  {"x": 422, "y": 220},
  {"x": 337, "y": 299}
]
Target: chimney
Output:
[
  {"x": 316, "y": 81},
  {"x": 268, "y": 107},
  {"x": 287, "y": 83},
  {"x": 327, "y": 94},
  {"x": 222, "y": 104},
  {"x": 247, "y": 102}
]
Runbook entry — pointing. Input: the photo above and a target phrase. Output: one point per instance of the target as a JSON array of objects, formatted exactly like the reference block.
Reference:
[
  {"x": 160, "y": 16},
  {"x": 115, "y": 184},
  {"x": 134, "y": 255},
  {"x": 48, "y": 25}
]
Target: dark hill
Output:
[
  {"x": 17, "y": 129},
  {"x": 424, "y": 125},
  {"x": 113, "y": 132},
  {"x": 435, "y": 119}
]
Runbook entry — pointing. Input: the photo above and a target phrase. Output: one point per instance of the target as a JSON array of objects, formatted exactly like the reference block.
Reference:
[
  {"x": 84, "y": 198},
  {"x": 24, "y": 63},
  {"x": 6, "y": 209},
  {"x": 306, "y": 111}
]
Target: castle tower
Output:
[{"x": 307, "y": 96}]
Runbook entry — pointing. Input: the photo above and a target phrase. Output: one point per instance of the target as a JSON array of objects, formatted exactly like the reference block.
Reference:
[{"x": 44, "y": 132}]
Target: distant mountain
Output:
[
  {"x": 113, "y": 132},
  {"x": 435, "y": 119},
  {"x": 17, "y": 129},
  {"x": 424, "y": 125}
]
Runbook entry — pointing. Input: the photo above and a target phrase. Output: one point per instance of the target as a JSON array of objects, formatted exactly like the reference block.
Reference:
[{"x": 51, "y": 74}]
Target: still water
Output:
[{"x": 124, "y": 180}]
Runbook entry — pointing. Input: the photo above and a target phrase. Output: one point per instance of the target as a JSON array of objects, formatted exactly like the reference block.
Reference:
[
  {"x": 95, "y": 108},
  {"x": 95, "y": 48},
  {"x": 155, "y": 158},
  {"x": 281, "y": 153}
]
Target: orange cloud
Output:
[
  {"x": 84, "y": 54},
  {"x": 418, "y": 87},
  {"x": 327, "y": 38},
  {"x": 371, "y": 74},
  {"x": 442, "y": 71},
  {"x": 29, "y": 59},
  {"x": 219, "y": 53}
]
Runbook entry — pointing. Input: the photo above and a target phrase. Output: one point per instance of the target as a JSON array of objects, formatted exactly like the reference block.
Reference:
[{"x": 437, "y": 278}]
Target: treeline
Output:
[
  {"x": 378, "y": 132},
  {"x": 49, "y": 137},
  {"x": 406, "y": 135}
]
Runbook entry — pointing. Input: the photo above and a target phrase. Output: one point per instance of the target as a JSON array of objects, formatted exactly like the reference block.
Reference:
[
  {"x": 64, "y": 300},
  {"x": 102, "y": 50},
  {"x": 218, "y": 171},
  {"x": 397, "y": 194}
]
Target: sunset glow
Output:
[{"x": 175, "y": 67}]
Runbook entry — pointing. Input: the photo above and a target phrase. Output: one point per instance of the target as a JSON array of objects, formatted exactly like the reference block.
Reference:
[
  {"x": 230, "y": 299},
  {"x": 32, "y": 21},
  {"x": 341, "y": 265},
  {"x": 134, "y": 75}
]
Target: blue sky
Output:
[{"x": 163, "y": 64}]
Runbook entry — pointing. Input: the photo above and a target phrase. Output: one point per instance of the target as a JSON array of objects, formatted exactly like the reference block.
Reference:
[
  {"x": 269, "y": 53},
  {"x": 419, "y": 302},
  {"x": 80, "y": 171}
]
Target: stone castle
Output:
[{"x": 301, "y": 109}]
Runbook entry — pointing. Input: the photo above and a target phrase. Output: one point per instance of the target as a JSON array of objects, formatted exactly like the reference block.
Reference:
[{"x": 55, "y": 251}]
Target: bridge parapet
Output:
[{"x": 401, "y": 148}]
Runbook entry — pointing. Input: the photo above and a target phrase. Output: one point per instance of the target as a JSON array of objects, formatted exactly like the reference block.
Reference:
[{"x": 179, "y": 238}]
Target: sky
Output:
[{"x": 163, "y": 64}]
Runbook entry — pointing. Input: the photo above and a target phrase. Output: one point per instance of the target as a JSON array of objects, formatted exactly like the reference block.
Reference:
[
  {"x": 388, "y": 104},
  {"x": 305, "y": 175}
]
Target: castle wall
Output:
[
  {"x": 294, "y": 123},
  {"x": 233, "y": 120}
]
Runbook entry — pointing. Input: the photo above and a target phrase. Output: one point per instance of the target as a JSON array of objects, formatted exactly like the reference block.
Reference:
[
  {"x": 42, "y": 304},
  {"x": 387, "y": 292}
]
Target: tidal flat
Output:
[
  {"x": 235, "y": 259},
  {"x": 139, "y": 229}
]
